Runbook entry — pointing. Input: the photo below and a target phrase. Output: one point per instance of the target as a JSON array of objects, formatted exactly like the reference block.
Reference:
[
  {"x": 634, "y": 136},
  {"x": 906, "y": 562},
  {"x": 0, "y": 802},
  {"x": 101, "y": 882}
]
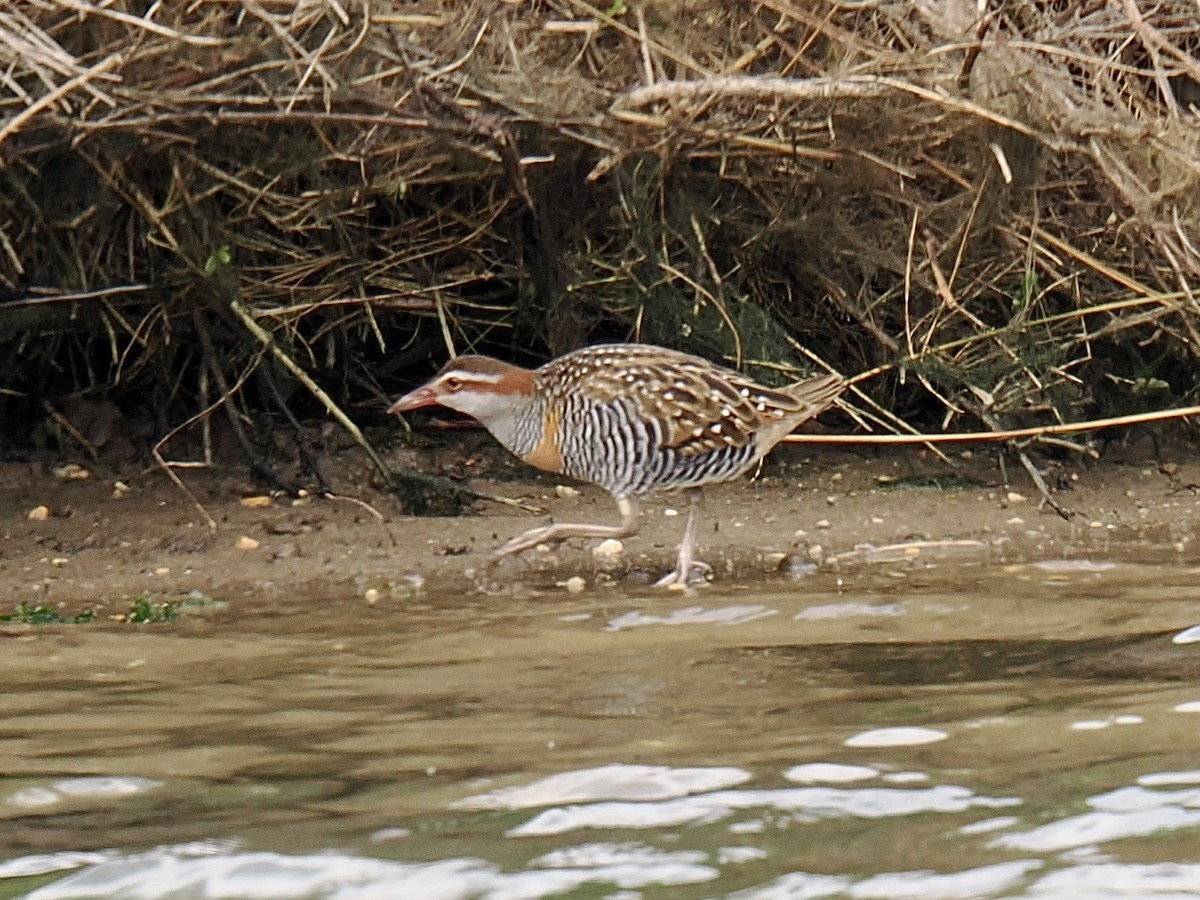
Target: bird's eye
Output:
[{"x": 453, "y": 385}]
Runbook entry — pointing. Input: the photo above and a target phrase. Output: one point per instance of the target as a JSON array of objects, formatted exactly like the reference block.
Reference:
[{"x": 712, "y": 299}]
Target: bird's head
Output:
[{"x": 479, "y": 386}]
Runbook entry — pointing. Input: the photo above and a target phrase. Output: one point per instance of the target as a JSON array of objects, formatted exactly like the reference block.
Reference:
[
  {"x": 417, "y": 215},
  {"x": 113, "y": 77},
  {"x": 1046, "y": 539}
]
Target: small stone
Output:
[
  {"x": 1096, "y": 524},
  {"x": 1015, "y": 520},
  {"x": 816, "y": 553},
  {"x": 831, "y": 500},
  {"x": 565, "y": 491},
  {"x": 609, "y": 548},
  {"x": 258, "y": 501},
  {"x": 670, "y": 512},
  {"x": 59, "y": 561},
  {"x": 39, "y": 514},
  {"x": 967, "y": 454},
  {"x": 576, "y": 585},
  {"x": 795, "y": 566},
  {"x": 836, "y": 476},
  {"x": 799, "y": 534},
  {"x": 371, "y": 596},
  {"x": 1014, "y": 497},
  {"x": 71, "y": 472},
  {"x": 1169, "y": 468},
  {"x": 120, "y": 489},
  {"x": 823, "y": 523},
  {"x": 246, "y": 543},
  {"x": 876, "y": 520},
  {"x": 884, "y": 479},
  {"x": 162, "y": 570}
]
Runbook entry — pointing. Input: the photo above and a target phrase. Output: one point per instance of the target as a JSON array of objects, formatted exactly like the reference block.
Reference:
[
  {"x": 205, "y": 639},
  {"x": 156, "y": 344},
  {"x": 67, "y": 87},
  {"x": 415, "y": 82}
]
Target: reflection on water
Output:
[{"x": 1020, "y": 732}]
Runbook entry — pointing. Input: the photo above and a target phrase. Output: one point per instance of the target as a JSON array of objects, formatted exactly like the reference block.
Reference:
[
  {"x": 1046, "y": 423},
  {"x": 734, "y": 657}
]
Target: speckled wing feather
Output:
[{"x": 699, "y": 407}]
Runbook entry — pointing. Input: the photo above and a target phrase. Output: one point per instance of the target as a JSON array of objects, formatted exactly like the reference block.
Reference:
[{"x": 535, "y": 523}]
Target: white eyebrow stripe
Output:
[{"x": 473, "y": 376}]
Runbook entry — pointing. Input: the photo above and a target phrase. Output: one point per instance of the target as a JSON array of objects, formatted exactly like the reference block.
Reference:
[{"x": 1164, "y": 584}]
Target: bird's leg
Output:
[
  {"x": 560, "y": 531},
  {"x": 689, "y": 569}
]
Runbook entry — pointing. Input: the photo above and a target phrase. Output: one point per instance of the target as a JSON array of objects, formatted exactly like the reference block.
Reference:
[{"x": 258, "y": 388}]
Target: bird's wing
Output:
[{"x": 698, "y": 407}]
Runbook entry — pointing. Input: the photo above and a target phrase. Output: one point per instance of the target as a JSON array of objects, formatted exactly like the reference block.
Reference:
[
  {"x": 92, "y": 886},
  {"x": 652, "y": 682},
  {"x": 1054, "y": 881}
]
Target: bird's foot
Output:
[
  {"x": 694, "y": 572},
  {"x": 525, "y": 541}
]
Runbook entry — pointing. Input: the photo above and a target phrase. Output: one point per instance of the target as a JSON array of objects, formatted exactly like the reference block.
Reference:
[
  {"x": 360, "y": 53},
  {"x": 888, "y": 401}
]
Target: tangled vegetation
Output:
[{"x": 990, "y": 210}]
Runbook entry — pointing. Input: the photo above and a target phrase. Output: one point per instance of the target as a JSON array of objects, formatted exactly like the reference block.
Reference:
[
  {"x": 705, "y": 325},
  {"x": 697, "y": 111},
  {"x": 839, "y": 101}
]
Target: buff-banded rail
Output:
[{"x": 631, "y": 418}]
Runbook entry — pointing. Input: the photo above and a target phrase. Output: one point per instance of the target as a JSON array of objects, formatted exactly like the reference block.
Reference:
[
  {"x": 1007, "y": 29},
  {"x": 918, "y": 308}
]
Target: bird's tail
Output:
[{"x": 814, "y": 395}]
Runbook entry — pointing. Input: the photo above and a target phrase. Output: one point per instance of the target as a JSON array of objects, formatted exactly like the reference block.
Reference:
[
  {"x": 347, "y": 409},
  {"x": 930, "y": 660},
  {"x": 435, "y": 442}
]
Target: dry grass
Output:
[{"x": 991, "y": 213}]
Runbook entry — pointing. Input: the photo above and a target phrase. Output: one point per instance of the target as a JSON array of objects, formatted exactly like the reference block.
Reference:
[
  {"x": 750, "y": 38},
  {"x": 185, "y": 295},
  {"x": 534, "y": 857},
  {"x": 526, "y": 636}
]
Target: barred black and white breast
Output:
[{"x": 635, "y": 419}]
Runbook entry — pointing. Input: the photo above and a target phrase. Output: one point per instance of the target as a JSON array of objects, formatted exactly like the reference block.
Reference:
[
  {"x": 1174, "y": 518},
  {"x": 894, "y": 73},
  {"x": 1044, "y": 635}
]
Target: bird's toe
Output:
[{"x": 695, "y": 573}]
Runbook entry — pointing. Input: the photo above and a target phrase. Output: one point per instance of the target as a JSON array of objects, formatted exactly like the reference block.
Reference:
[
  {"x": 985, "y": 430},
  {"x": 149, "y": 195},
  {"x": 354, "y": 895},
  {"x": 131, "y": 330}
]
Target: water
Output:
[{"x": 951, "y": 732}]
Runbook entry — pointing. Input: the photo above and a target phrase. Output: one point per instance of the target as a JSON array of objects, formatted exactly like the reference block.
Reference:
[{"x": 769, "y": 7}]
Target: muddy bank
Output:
[{"x": 103, "y": 545}]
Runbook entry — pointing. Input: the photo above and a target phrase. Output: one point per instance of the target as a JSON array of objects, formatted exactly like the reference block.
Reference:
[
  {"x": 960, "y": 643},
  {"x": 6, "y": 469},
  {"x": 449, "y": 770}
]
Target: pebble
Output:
[
  {"x": 795, "y": 566},
  {"x": 670, "y": 512},
  {"x": 71, "y": 472},
  {"x": 565, "y": 491},
  {"x": 1015, "y": 520},
  {"x": 258, "y": 501},
  {"x": 246, "y": 543},
  {"x": 576, "y": 585},
  {"x": 1014, "y": 497},
  {"x": 163, "y": 570},
  {"x": 609, "y": 548},
  {"x": 59, "y": 561},
  {"x": 39, "y": 514},
  {"x": 371, "y": 596},
  {"x": 120, "y": 489},
  {"x": 823, "y": 523}
]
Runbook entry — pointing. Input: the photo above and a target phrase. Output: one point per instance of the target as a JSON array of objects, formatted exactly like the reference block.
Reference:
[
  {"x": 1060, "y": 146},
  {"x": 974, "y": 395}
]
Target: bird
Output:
[{"x": 631, "y": 418}]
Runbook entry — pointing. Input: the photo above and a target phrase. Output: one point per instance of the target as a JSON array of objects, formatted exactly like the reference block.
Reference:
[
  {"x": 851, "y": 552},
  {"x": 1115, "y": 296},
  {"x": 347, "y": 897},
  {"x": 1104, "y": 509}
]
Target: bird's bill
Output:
[{"x": 422, "y": 396}]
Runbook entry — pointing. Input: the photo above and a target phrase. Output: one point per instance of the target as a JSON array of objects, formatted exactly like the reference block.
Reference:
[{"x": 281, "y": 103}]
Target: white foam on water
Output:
[
  {"x": 1189, "y": 707},
  {"x": 726, "y": 855},
  {"x": 1074, "y": 565},
  {"x": 98, "y": 788},
  {"x": 1128, "y": 799},
  {"x": 970, "y": 883},
  {"x": 613, "y": 782},
  {"x": 1098, "y": 827},
  {"x": 1090, "y": 725},
  {"x": 339, "y": 876},
  {"x": 1155, "y": 779},
  {"x": 105, "y": 787},
  {"x": 797, "y": 886},
  {"x": 829, "y": 773},
  {"x": 693, "y": 615},
  {"x": 906, "y": 777},
  {"x": 986, "y": 826},
  {"x": 867, "y": 803},
  {"x": 1187, "y": 636},
  {"x": 33, "y": 797},
  {"x": 1101, "y": 881},
  {"x": 896, "y": 737},
  {"x": 849, "y": 611},
  {"x": 44, "y": 863}
]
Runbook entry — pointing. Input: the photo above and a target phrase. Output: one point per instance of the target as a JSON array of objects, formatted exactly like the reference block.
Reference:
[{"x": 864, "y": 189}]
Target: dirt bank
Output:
[{"x": 102, "y": 546}]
